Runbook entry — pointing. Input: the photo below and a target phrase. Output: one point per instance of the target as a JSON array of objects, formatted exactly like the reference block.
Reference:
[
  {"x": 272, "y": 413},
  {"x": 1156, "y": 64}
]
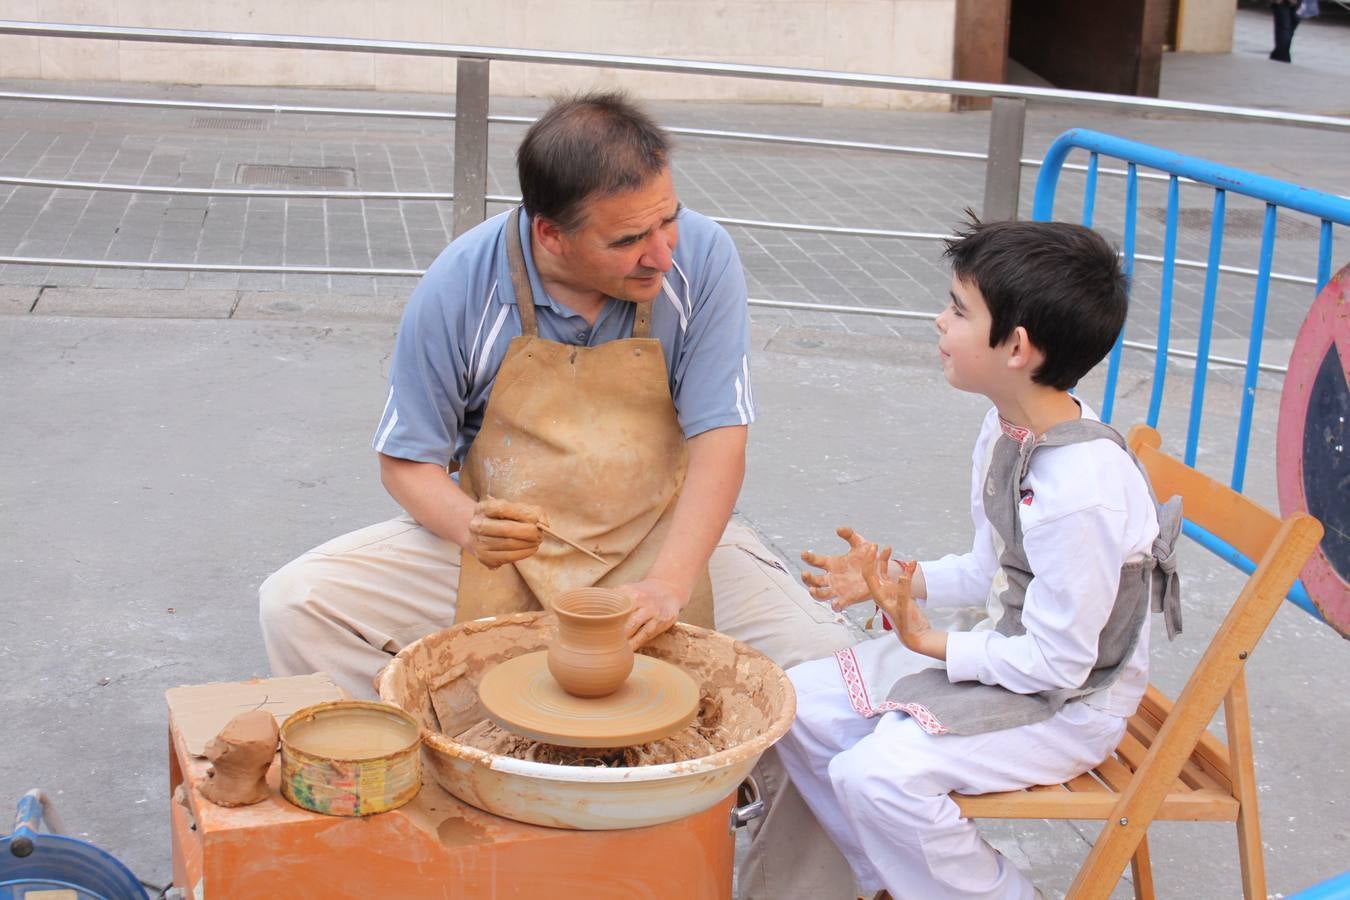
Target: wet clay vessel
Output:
[{"x": 590, "y": 656}]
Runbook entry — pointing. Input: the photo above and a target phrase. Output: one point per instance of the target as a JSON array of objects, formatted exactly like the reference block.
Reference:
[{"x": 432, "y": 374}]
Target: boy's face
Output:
[{"x": 968, "y": 362}]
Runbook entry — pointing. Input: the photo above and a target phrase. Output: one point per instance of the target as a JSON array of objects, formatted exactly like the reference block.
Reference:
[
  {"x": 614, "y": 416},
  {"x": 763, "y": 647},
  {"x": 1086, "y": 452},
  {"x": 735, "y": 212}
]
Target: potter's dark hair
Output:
[
  {"x": 1061, "y": 282},
  {"x": 586, "y": 146}
]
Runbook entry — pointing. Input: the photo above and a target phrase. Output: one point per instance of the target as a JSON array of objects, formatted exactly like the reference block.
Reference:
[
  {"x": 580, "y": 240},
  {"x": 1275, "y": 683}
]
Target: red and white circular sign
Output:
[{"x": 1311, "y": 464}]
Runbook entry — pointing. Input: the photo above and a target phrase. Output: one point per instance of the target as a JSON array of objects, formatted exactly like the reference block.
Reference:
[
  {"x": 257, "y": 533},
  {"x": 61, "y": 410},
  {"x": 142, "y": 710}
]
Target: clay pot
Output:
[{"x": 590, "y": 656}]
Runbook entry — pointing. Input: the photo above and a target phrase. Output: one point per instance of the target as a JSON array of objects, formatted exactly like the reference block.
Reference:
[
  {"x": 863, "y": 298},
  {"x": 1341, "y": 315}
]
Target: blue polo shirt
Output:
[{"x": 462, "y": 316}]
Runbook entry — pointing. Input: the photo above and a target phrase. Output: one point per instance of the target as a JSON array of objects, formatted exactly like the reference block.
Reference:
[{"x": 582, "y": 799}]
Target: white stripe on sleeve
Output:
[
  {"x": 384, "y": 435},
  {"x": 688, "y": 294},
  {"x": 477, "y": 347},
  {"x": 388, "y": 402},
  {"x": 749, "y": 385},
  {"x": 675, "y": 302},
  {"x": 486, "y": 350}
]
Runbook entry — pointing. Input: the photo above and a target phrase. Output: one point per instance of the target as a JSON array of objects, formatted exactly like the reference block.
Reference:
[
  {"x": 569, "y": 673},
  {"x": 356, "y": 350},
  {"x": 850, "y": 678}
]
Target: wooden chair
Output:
[{"x": 1168, "y": 766}]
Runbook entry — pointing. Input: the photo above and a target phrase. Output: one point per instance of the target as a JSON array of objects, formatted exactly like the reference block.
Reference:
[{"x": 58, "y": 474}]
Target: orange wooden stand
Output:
[{"x": 435, "y": 846}]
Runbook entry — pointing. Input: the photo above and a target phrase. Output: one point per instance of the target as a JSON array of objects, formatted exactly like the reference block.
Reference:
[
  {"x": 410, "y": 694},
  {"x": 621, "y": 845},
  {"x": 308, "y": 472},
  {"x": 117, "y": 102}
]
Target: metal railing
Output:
[{"x": 1004, "y": 160}]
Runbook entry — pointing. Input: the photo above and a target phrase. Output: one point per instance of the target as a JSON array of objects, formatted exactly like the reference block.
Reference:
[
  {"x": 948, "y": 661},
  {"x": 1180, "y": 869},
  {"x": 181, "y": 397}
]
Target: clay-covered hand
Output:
[
  {"x": 895, "y": 596},
  {"x": 503, "y": 532},
  {"x": 656, "y": 606},
  {"x": 840, "y": 581}
]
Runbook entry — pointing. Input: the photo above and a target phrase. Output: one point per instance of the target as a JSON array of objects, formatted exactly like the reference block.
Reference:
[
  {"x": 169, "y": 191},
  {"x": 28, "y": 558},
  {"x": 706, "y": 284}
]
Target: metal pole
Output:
[
  {"x": 471, "y": 143},
  {"x": 1003, "y": 172}
]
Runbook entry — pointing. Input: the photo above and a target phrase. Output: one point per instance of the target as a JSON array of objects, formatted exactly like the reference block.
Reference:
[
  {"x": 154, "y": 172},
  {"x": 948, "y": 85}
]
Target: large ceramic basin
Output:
[{"x": 436, "y": 680}]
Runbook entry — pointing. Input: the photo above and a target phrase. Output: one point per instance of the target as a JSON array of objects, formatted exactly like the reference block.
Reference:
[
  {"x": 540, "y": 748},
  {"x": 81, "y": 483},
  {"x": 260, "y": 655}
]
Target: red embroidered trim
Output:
[
  {"x": 1016, "y": 432},
  {"x": 921, "y": 714},
  {"x": 862, "y": 704}
]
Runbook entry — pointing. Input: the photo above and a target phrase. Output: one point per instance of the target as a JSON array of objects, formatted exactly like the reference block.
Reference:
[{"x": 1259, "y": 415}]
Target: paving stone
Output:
[
  {"x": 171, "y": 304},
  {"x": 309, "y": 307},
  {"x": 16, "y": 300}
]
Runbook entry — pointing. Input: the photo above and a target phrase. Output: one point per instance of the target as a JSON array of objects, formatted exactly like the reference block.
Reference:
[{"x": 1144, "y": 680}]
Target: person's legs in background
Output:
[{"x": 1286, "y": 21}]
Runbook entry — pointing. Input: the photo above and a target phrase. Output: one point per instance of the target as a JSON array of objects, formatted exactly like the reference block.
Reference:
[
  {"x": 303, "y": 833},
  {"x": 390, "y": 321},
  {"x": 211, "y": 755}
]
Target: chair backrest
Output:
[
  {"x": 1235, "y": 518},
  {"x": 1280, "y": 547}
]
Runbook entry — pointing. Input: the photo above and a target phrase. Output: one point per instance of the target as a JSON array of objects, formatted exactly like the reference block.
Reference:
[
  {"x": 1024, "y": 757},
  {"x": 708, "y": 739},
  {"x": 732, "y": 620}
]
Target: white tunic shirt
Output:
[{"x": 1085, "y": 512}]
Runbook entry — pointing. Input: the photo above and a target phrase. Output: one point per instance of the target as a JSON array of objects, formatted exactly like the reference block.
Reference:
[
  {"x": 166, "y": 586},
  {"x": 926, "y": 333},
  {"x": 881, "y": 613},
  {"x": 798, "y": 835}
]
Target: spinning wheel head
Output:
[{"x": 657, "y": 700}]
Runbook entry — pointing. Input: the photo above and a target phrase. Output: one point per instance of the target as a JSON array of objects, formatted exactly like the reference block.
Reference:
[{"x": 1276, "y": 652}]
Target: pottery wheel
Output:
[{"x": 522, "y": 696}]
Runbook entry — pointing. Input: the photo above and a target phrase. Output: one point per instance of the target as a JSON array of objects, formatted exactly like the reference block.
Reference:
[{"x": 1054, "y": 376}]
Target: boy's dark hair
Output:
[
  {"x": 590, "y": 145},
  {"x": 1061, "y": 282}
]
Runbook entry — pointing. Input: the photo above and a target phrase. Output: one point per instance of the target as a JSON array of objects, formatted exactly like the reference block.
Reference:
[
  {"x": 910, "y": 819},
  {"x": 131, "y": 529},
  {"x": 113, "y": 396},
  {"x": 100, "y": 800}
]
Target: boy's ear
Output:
[{"x": 1022, "y": 353}]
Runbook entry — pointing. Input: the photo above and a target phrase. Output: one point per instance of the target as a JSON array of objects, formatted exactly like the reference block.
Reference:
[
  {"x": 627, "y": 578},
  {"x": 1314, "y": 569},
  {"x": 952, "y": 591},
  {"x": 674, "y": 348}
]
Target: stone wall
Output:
[
  {"x": 894, "y": 37},
  {"x": 1205, "y": 26}
]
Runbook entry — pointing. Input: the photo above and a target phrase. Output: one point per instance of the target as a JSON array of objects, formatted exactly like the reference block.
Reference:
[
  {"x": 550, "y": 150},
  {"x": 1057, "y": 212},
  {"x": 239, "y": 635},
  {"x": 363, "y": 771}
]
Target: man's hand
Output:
[
  {"x": 895, "y": 596},
  {"x": 841, "y": 582},
  {"x": 657, "y": 606},
  {"x": 503, "y": 532}
]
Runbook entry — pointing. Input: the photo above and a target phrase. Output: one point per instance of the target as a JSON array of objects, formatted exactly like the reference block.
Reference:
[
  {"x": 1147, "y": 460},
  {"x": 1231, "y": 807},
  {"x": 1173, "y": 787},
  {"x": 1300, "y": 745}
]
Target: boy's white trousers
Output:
[{"x": 880, "y": 786}]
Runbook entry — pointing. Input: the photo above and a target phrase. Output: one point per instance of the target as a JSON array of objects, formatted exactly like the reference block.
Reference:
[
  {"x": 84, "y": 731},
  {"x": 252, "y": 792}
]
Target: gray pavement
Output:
[{"x": 174, "y": 438}]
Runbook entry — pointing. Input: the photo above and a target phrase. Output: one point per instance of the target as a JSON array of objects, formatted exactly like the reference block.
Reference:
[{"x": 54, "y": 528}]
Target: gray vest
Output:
[{"x": 971, "y": 707}]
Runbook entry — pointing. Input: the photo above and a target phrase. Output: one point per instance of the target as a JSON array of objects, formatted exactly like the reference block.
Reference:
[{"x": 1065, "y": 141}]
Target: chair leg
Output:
[
  {"x": 1141, "y": 870},
  {"x": 1250, "y": 856}
]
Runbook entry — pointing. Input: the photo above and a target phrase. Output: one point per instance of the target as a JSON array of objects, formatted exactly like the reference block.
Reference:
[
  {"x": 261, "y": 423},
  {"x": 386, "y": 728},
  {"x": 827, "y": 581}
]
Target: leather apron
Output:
[{"x": 590, "y": 435}]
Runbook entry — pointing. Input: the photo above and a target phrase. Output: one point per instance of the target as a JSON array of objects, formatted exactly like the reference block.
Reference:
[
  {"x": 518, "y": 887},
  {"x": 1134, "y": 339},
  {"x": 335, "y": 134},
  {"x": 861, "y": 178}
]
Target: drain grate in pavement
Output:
[
  {"x": 294, "y": 176},
  {"x": 1239, "y": 223},
  {"x": 226, "y": 123}
]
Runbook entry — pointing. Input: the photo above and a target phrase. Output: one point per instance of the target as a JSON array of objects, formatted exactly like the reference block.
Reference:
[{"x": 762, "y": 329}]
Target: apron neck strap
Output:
[
  {"x": 520, "y": 278},
  {"x": 520, "y": 284},
  {"x": 642, "y": 324}
]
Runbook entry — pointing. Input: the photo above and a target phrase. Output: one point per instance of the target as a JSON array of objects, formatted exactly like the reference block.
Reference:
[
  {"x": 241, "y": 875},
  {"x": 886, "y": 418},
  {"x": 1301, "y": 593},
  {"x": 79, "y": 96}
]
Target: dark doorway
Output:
[{"x": 1111, "y": 47}]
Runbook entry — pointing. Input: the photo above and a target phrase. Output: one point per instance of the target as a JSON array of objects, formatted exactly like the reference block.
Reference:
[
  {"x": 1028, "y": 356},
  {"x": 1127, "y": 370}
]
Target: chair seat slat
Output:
[
  {"x": 1190, "y": 806},
  {"x": 1210, "y": 754}
]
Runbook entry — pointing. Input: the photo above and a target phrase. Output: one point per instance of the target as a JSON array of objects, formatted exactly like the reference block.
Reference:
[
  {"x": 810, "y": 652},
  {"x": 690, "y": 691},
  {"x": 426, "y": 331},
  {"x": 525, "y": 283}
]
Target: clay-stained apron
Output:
[{"x": 590, "y": 435}]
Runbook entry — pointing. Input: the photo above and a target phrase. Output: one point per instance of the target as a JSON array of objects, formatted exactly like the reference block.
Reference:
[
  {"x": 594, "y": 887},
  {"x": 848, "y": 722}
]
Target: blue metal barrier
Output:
[
  {"x": 1329, "y": 209},
  {"x": 1337, "y": 888}
]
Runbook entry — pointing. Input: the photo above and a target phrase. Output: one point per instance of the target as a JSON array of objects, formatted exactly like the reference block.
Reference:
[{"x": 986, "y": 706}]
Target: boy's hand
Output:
[
  {"x": 841, "y": 583},
  {"x": 896, "y": 599}
]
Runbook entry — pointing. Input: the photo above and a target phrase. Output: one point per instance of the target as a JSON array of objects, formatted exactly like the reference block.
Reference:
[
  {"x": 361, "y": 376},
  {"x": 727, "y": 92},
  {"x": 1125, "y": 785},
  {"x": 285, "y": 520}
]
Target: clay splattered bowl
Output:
[{"x": 436, "y": 681}]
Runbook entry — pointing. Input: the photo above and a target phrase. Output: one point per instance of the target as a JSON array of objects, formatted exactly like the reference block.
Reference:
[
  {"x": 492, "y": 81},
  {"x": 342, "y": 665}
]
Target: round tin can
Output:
[{"x": 350, "y": 758}]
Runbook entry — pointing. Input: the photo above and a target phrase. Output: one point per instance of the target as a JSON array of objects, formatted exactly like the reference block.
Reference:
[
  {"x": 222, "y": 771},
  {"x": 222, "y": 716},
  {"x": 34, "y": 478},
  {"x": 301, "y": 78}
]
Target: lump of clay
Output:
[{"x": 240, "y": 756}]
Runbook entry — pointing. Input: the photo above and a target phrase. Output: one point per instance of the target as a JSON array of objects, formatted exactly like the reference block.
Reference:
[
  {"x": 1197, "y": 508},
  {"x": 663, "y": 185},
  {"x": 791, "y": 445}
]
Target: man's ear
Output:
[
  {"x": 1022, "y": 353},
  {"x": 547, "y": 235}
]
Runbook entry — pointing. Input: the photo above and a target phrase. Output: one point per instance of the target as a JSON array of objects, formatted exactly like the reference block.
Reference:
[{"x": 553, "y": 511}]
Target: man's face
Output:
[
  {"x": 968, "y": 362},
  {"x": 625, "y": 242}
]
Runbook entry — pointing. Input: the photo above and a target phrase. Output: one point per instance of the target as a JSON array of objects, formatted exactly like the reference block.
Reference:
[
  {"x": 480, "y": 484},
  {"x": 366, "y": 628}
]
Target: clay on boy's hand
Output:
[
  {"x": 841, "y": 582},
  {"x": 895, "y": 596},
  {"x": 505, "y": 532}
]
